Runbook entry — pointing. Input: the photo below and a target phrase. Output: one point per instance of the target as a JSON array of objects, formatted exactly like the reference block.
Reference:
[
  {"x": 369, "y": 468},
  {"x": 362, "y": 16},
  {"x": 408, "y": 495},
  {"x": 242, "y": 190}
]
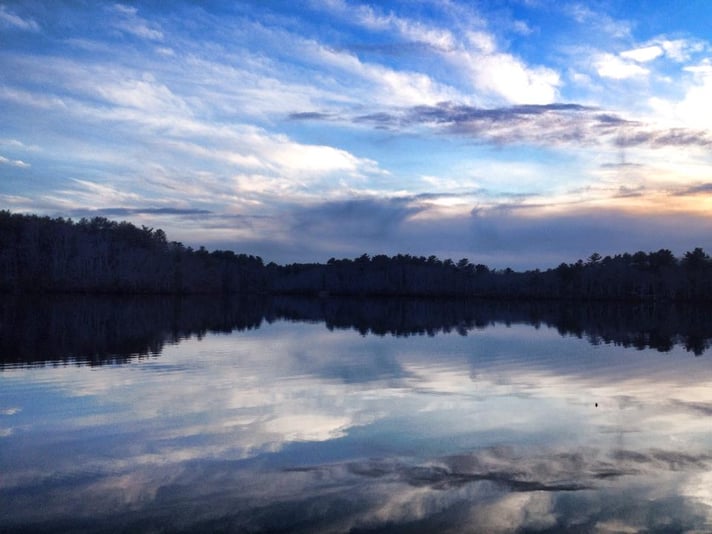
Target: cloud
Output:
[
  {"x": 182, "y": 150},
  {"x": 551, "y": 124},
  {"x": 696, "y": 190},
  {"x": 386, "y": 85},
  {"x": 102, "y": 193},
  {"x": 128, "y": 21},
  {"x": 310, "y": 115},
  {"x": 643, "y": 54},
  {"x": 145, "y": 94},
  {"x": 13, "y": 162},
  {"x": 499, "y": 231},
  {"x": 8, "y": 19},
  {"x": 617, "y": 68},
  {"x": 510, "y": 78},
  {"x": 678, "y": 50},
  {"x": 469, "y": 49},
  {"x": 673, "y": 137},
  {"x": 416, "y": 32},
  {"x": 15, "y": 144},
  {"x": 596, "y": 20},
  {"x": 502, "y": 125},
  {"x": 367, "y": 224},
  {"x": 123, "y": 212},
  {"x": 267, "y": 112},
  {"x": 694, "y": 108}
]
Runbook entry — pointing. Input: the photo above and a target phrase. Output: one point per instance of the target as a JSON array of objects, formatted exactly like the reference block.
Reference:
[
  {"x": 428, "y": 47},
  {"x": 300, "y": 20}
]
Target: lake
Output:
[{"x": 334, "y": 415}]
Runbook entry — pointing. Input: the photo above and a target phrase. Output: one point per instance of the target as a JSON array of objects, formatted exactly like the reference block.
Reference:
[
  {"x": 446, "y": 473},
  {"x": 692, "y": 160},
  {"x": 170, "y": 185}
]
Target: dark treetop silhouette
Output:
[{"x": 41, "y": 254}]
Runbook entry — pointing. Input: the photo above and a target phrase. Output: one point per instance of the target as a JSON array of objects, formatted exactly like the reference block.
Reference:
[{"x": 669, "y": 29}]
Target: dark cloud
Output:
[
  {"x": 507, "y": 235},
  {"x": 608, "y": 118},
  {"x": 559, "y": 122},
  {"x": 628, "y": 192},
  {"x": 702, "y": 408},
  {"x": 449, "y": 113},
  {"x": 444, "y": 476},
  {"x": 682, "y": 137},
  {"x": 367, "y": 217},
  {"x": 555, "y": 123},
  {"x": 310, "y": 116},
  {"x": 705, "y": 188},
  {"x": 380, "y": 120},
  {"x": 622, "y": 165}
]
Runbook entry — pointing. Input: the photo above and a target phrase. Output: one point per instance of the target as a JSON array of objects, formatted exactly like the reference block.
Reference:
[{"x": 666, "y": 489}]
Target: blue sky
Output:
[{"x": 515, "y": 133}]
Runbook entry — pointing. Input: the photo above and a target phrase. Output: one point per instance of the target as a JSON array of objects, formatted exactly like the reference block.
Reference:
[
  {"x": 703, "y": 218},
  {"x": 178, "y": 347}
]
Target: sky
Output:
[{"x": 515, "y": 133}]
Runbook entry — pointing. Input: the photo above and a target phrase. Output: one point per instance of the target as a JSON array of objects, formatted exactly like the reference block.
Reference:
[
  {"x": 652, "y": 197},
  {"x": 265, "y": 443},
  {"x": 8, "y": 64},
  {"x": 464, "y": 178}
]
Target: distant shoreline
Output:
[{"x": 43, "y": 255}]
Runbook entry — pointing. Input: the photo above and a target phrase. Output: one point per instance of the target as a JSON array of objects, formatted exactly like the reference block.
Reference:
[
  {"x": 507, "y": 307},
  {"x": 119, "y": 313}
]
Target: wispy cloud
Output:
[
  {"x": 593, "y": 19},
  {"x": 127, "y": 20},
  {"x": 9, "y": 19},
  {"x": 470, "y": 50}
]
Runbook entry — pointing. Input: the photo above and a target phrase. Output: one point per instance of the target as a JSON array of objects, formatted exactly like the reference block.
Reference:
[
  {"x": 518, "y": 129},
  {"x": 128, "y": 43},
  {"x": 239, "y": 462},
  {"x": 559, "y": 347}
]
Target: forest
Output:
[{"x": 39, "y": 254}]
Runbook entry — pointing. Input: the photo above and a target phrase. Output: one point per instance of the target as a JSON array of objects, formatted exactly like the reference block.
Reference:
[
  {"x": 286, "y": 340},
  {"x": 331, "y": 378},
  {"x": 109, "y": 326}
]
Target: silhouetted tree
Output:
[{"x": 99, "y": 255}]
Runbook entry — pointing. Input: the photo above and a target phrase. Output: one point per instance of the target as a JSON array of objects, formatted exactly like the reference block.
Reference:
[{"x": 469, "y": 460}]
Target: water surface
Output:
[{"x": 335, "y": 416}]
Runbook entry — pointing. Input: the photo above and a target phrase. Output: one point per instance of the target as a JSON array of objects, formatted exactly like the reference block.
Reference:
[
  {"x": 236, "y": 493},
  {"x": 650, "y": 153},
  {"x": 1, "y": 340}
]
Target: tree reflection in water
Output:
[{"x": 96, "y": 330}]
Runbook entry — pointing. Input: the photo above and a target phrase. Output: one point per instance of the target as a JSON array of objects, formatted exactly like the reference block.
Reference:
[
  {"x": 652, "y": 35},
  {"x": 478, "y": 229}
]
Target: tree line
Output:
[{"x": 97, "y": 255}]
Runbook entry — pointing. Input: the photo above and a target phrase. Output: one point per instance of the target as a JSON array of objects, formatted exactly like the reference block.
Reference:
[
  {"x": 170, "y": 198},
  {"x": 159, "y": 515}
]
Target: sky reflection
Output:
[{"x": 509, "y": 427}]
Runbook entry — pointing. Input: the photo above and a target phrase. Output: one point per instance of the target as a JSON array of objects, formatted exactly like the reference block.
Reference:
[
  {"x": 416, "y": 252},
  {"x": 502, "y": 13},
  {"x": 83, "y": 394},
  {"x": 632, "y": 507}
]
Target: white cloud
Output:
[
  {"x": 33, "y": 99},
  {"x": 680, "y": 50},
  {"x": 386, "y": 86},
  {"x": 175, "y": 118},
  {"x": 509, "y": 78},
  {"x": 643, "y": 54},
  {"x": 94, "y": 195},
  {"x": 145, "y": 94},
  {"x": 611, "y": 66},
  {"x": 436, "y": 37},
  {"x": 314, "y": 158},
  {"x": 702, "y": 69},
  {"x": 695, "y": 108},
  {"x": 491, "y": 72},
  {"x": 482, "y": 42}
]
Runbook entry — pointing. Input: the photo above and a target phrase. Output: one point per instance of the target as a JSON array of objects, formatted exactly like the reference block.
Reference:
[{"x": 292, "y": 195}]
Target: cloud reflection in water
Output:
[{"x": 327, "y": 430}]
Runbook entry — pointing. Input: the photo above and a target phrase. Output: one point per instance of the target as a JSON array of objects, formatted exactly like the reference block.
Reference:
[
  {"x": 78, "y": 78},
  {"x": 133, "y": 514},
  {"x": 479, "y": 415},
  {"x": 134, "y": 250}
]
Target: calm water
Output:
[{"x": 173, "y": 415}]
